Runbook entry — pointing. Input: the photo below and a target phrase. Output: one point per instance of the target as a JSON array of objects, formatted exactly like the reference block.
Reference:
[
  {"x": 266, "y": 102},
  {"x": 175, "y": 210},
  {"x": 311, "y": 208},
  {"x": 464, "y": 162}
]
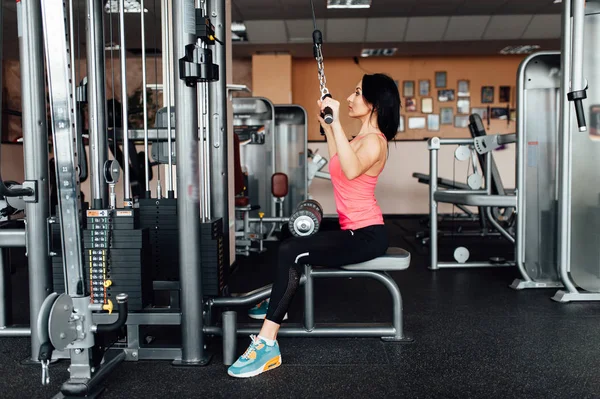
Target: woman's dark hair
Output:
[{"x": 381, "y": 92}]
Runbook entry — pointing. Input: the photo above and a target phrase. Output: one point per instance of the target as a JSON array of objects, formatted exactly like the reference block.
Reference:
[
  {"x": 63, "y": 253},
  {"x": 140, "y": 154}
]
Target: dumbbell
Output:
[{"x": 306, "y": 220}]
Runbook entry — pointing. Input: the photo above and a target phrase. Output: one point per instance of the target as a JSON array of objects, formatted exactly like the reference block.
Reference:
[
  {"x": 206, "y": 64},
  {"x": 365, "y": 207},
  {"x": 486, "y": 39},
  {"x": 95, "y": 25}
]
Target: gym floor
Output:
[{"x": 474, "y": 338}]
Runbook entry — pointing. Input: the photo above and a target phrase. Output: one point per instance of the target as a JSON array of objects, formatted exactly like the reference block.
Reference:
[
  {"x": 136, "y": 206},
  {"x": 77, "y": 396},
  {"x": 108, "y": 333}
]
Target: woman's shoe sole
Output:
[{"x": 270, "y": 365}]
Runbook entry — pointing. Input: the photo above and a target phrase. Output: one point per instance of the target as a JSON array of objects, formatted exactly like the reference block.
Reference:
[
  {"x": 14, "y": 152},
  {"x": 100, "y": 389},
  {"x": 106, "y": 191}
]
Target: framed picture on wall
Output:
[
  {"x": 500, "y": 113},
  {"x": 424, "y": 87},
  {"x": 463, "y": 105},
  {"x": 433, "y": 123},
  {"x": 410, "y": 105},
  {"x": 447, "y": 115},
  {"x": 445, "y": 95},
  {"x": 440, "y": 80},
  {"x": 401, "y": 124},
  {"x": 461, "y": 121},
  {"x": 416, "y": 122},
  {"x": 427, "y": 105},
  {"x": 463, "y": 88},
  {"x": 487, "y": 94},
  {"x": 504, "y": 94},
  {"x": 408, "y": 88},
  {"x": 481, "y": 111}
]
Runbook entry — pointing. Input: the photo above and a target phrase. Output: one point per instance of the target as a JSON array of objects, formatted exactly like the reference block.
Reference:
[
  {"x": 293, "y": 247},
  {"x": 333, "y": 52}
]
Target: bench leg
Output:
[
  {"x": 309, "y": 303},
  {"x": 392, "y": 287}
]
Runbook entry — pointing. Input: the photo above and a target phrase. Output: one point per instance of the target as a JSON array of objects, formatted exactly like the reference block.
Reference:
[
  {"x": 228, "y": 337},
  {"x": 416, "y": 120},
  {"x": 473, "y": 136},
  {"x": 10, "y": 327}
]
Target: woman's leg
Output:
[{"x": 326, "y": 248}]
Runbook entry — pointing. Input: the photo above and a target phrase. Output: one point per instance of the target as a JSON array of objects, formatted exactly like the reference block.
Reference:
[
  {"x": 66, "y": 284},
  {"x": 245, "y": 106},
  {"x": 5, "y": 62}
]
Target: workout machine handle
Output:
[
  {"x": 121, "y": 320},
  {"x": 327, "y": 113}
]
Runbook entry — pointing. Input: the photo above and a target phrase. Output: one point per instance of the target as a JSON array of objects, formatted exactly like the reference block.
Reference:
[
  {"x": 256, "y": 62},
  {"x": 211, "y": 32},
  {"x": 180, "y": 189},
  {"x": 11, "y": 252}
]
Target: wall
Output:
[{"x": 343, "y": 75}]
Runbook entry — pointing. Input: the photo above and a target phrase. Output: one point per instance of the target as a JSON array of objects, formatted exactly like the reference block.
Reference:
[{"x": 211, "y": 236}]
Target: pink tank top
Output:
[{"x": 354, "y": 199}]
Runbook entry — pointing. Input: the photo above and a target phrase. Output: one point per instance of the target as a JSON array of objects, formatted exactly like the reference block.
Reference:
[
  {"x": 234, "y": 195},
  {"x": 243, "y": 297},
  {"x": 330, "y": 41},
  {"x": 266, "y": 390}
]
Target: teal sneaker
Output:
[
  {"x": 259, "y": 312},
  {"x": 258, "y": 358}
]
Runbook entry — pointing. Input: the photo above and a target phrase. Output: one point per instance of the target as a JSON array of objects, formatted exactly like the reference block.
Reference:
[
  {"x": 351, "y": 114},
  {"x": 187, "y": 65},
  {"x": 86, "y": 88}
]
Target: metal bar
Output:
[
  {"x": 475, "y": 199},
  {"x": 565, "y": 145},
  {"x": 168, "y": 65},
  {"x": 494, "y": 223},
  {"x": 145, "y": 99},
  {"x": 229, "y": 337},
  {"x": 5, "y": 294},
  {"x": 35, "y": 150},
  {"x": 96, "y": 101},
  {"x": 433, "y": 209},
  {"x": 578, "y": 42},
  {"x": 76, "y": 115},
  {"x": 456, "y": 141},
  {"x": 123, "y": 59},
  {"x": 320, "y": 330},
  {"x": 16, "y": 332},
  {"x": 186, "y": 119},
  {"x": 456, "y": 265},
  {"x": 201, "y": 154},
  {"x": 219, "y": 193},
  {"x": 142, "y": 319},
  {"x": 12, "y": 238},
  {"x": 269, "y": 220},
  {"x": 309, "y": 299},
  {"x": 521, "y": 170}
]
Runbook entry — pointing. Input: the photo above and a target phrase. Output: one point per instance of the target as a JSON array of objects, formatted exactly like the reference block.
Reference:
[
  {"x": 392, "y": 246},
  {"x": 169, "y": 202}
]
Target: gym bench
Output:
[{"x": 395, "y": 259}]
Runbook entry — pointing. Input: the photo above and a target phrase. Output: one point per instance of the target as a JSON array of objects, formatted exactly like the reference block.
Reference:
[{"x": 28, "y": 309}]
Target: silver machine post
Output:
[
  {"x": 128, "y": 201},
  {"x": 97, "y": 103},
  {"x": 145, "y": 99},
  {"x": 167, "y": 83},
  {"x": 186, "y": 124},
  {"x": 217, "y": 112},
  {"x": 35, "y": 149}
]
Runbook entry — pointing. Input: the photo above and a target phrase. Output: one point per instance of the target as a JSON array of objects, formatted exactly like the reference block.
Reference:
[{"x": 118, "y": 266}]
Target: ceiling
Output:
[{"x": 414, "y": 27}]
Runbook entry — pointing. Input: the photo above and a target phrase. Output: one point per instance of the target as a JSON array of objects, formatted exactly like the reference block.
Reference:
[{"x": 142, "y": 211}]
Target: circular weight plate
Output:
[
  {"x": 314, "y": 204},
  {"x": 462, "y": 153},
  {"x": 44, "y": 317},
  {"x": 60, "y": 330},
  {"x": 475, "y": 181},
  {"x": 461, "y": 254},
  {"x": 303, "y": 226}
]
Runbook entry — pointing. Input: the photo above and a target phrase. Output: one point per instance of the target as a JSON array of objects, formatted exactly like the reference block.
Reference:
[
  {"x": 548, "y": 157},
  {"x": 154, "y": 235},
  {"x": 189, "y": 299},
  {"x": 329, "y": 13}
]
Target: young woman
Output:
[{"x": 354, "y": 167}]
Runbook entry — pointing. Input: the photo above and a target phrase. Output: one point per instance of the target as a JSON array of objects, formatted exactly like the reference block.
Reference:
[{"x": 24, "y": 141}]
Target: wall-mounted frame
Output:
[
  {"x": 463, "y": 105},
  {"x": 504, "y": 94},
  {"x": 424, "y": 87},
  {"x": 445, "y": 95},
  {"x": 408, "y": 88},
  {"x": 440, "y": 79},
  {"x": 416, "y": 122},
  {"x": 433, "y": 122},
  {"x": 410, "y": 104},
  {"x": 427, "y": 105},
  {"x": 447, "y": 115},
  {"x": 481, "y": 111},
  {"x": 487, "y": 94},
  {"x": 461, "y": 121},
  {"x": 401, "y": 124},
  {"x": 463, "y": 88}
]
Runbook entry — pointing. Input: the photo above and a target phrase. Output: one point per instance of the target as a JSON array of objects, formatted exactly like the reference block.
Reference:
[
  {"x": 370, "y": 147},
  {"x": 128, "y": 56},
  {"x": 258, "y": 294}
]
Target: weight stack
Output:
[
  {"x": 114, "y": 258},
  {"x": 159, "y": 216},
  {"x": 215, "y": 275}
]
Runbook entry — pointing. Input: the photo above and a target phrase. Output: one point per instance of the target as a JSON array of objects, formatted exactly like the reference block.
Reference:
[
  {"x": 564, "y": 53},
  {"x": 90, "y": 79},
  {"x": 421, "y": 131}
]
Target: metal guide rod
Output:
[
  {"x": 201, "y": 153},
  {"x": 96, "y": 99},
  {"x": 186, "y": 120},
  {"x": 125, "y": 112},
  {"x": 219, "y": 198},
  {"x": 206, "y": 148},
  {"x": 167, "y": 31},
  {"x": 72, "y": 60},
  {"x": 565, "y": 145},
  {"x": 145, "y": 98},
  {"x": 35, "y": 152}
]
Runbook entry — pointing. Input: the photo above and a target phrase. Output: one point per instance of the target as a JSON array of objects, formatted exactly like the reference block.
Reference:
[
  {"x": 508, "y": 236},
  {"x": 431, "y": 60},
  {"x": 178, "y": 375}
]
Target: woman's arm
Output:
[{"x": 356, "y": 163}]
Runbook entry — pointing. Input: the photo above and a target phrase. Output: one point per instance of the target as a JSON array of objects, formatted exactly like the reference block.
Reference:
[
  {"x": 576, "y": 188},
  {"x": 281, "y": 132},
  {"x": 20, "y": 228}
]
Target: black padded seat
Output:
[{"x": 395, "y": 259}]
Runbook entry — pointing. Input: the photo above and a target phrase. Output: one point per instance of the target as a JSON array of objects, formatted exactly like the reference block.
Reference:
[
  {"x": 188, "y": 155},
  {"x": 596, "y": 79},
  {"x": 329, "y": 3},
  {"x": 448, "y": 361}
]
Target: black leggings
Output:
[{"x": 330, "y": 247}]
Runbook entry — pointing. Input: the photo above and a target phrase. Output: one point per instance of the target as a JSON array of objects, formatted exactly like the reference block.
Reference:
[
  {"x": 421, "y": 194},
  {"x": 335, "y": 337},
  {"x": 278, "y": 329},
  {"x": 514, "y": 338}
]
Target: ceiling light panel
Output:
[{"x": 348, "y": 4}]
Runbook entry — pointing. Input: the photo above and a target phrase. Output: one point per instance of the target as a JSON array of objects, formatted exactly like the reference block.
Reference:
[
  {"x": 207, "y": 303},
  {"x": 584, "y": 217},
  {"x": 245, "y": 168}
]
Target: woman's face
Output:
[{"x": 357, "y": 107}]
